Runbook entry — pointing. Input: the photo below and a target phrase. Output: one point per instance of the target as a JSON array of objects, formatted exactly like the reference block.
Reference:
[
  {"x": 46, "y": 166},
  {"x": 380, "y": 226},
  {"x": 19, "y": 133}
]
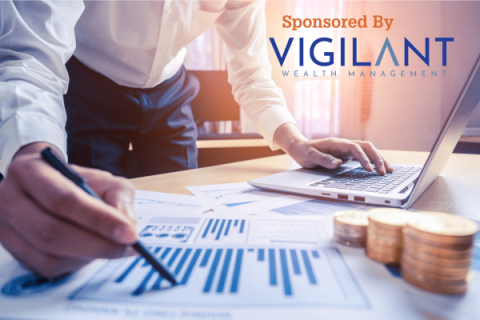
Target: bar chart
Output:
[
  {"x": 224, "y": 231},
  {"x": 231, "y": 276}
]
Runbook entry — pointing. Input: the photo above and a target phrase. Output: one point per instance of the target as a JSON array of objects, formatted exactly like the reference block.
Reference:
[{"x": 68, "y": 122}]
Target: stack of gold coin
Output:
[
  {"x": 351, "y": 228},
  {"x": 384, "y": 235},
  {"x": 437, "y": 251}
]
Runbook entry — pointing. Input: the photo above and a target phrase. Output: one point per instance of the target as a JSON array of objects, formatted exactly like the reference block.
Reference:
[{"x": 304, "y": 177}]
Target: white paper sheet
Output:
[
  {"x": 290, "y": 205},
  {"x": 231, "y": 195},
  {"x": 258, "y": 267},
  {"x": 149, "y": 203}
]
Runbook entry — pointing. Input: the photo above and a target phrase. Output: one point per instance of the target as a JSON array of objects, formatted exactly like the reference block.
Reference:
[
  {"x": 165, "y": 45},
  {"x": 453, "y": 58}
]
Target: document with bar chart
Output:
[
  {"x": 232, "y": 276},
  {"x": 232, "y": 262},
  {"x": 227, "y": 267}
]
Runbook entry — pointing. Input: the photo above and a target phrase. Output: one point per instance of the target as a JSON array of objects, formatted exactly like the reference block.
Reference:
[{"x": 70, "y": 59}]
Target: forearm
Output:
[
  {"x": 33, "y": 78},
  {"x": 287, "y": 136}
]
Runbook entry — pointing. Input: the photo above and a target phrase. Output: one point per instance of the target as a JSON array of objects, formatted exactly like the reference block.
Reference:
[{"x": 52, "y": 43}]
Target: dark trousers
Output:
[{"x": 103, "y": 118}]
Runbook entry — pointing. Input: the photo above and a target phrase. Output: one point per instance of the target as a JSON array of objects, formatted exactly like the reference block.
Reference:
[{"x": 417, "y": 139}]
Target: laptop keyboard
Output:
[{"x": 361, "y": 180}]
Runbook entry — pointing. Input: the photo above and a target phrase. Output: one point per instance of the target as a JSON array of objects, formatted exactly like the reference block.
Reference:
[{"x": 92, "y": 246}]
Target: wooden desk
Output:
[{"x": 455, "y": 191}]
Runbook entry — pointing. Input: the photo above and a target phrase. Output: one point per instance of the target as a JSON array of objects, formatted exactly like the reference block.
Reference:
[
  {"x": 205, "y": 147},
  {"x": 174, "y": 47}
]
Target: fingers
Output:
[
  {"x": 374, "y": 156},
  {"x": 49, "y": 235},
  {"x": 381, "y": 165},
  {"x": 49, "y": 266},
  {"x": 347, "y": 146},
  {"x": 62, "y": 198},
  {"x": 363, "y": 151},
  {"x": 388, "y": 166},
  {"x": 317, "y": 158},
  {"x": 116, "y": 191},
  {"x": 52, "y": 226}
]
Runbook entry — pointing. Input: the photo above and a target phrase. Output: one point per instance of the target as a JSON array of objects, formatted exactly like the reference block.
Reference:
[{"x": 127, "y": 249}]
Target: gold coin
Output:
[
  {"x": 427, "y": 258},
  {"x": 439, "y": 240},
  {"x": 388, "y": 216},
  {"x": 431, "y": 274},
  {"x": 351, "y": 242},
  {"x": 436, "y": 252},
  {"x": 350, "y": 228},
  {"x": 352, "y": 218},
  {"x": 449, "y": 288},
  {"x": 432, "y": 242},
  {"x": 435, "y": 268},
  {"x": 384, "y": 232},
  {"x": 383, "y": 226},
  {"x": 387, "y": 257},
  {"x": 382, "y": 242},
  {"x": 442, "y": 224},
  {"x": 427, "y": 278},
  {"x": 349, "y": 231}
]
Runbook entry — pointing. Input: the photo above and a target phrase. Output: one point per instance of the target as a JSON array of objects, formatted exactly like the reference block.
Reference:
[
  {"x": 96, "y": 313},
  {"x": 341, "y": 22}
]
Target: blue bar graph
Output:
[
  {"x": 165, "y": 253},
  {"x": 261, "y": 254},
  {"x": 223, "y": 275},
  {"x": 220, "y": 230},
  {"x": 213, "y": 269},
  {"x": 174, "y": 256},
  {"x": 308, "y": 267},
  {"x": 128, "y": 270},
  {"x": 142, "y": 287},
  {"x": 156, "y": 285},
  {"x": 207, "y": 228},
  {"x": 190, "y": 267},
  {"x": 182, "y": 261},
  {"x": 273, "y": 273},
  {"x": 216, "y": 273},
  {"x": 228, "y": 227},
  {"x": 286, "y": 277},
  {"x": 206, "y": 257},
  {"x": 215, "y": 225},
  {"x": 296, "y": 266},
  {"x": 157, "y": 250},
  {"x": 236, "y": 271},
  {"x": 242, "y": 226}
]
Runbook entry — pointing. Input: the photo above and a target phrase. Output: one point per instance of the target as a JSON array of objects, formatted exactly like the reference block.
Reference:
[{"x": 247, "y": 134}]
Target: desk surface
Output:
[{"x": 455, "y": 191}]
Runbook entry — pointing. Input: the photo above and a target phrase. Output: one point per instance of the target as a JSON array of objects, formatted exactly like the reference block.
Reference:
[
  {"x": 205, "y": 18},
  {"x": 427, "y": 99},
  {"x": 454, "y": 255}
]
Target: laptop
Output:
[{"x": 350, "y": 182}]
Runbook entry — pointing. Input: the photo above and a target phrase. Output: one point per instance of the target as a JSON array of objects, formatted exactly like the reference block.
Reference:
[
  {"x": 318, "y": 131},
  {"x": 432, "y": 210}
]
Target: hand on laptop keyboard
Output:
[
  {"x": 361, "y": 180},
  {"x": 313, "y": 153}
]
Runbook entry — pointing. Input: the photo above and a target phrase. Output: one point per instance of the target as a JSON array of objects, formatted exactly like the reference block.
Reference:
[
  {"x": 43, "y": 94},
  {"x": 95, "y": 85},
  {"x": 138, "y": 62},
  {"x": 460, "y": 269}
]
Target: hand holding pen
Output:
[{"x": 52, "y": 226}]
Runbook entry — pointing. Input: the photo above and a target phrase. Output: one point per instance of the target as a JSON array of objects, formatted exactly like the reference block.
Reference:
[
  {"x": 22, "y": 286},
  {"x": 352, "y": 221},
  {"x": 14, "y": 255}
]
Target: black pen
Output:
[{"x": 76, "y": 178}]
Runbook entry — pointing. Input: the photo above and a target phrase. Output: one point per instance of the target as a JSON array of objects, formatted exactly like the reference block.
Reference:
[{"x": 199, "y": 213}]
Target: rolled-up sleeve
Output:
[
  {"x": 243, "y": 31},
  {"x": 36, "y": 40}
]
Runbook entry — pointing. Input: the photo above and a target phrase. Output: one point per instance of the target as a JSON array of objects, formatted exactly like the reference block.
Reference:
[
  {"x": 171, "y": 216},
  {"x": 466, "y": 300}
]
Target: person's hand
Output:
[
  {"x": 328, "y": 152},
  {"x": 52, "y": 226}
]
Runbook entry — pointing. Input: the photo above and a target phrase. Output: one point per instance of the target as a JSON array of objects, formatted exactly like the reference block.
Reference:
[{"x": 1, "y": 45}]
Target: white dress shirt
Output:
[{"x": 136, "y": 44}]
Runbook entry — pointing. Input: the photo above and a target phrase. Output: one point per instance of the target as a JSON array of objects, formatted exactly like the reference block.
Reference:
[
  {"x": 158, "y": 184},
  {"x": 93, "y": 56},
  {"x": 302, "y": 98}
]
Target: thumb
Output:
[{"x": 325, "y": 160}]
